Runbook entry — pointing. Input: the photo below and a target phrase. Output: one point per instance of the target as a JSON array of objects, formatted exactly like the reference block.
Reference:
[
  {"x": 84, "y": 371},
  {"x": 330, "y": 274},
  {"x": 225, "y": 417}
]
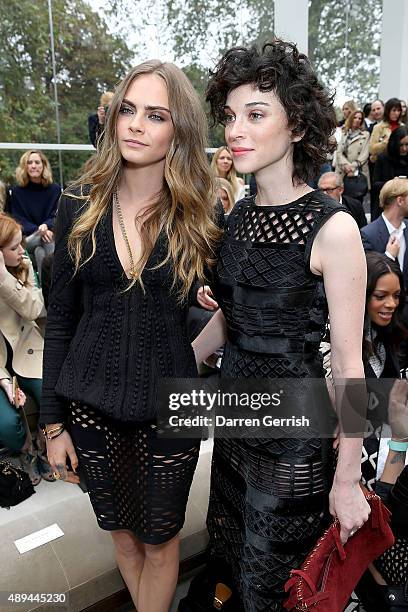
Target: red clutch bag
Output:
[{"x": 331, "y": 571}]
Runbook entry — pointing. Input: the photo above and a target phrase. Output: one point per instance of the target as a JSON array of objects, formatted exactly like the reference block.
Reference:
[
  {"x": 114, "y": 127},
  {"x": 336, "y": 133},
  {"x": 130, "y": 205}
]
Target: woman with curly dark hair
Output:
[
  {"x": 289, "y": 257},
  {"x": 390, "y": 164}
]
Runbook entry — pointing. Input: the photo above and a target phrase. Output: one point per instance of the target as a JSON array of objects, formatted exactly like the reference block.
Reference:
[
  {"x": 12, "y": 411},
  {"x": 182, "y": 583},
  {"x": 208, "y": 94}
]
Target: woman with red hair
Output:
[{"x": 21, "y": 344}]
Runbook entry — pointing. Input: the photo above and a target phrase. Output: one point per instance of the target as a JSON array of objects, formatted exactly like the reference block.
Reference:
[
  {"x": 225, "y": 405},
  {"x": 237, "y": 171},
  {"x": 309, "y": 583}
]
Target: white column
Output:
[
  {"x": 292, "y": 22},
  {"x": 394, "y": 50}
]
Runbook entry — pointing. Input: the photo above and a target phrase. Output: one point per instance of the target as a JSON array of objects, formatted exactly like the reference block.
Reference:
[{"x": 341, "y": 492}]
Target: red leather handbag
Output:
[{"x": 331, "y": 571}]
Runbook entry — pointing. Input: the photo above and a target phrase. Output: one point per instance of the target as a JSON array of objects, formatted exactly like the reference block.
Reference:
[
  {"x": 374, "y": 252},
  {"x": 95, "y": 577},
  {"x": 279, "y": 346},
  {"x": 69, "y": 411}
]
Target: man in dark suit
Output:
[
  {"x": 331, "y": 184},
  {"x": 389, "y": 232},
  {"x": 376, "y": 114}
]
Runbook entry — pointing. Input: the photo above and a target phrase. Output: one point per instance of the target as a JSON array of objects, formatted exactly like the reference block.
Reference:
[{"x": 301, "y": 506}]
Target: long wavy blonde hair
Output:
[
  {"x": 22, "y": 177},
  {"x": 185, "y": 206},
  {"x": 231, "y": 174}
]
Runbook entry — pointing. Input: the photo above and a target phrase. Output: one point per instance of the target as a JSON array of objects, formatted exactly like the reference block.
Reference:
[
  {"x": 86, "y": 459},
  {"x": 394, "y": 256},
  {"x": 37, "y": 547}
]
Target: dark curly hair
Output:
[
  {"x": 393, "y": 146},
  {"x": 279, "y": 67}
]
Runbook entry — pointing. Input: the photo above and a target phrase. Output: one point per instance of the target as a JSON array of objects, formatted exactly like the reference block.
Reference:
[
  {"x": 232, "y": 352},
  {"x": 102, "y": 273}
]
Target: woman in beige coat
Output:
[
  {"x": 21, "y": 344},
  {"x": 382, "y": 131},
  {"x": 352, "y": 151}
]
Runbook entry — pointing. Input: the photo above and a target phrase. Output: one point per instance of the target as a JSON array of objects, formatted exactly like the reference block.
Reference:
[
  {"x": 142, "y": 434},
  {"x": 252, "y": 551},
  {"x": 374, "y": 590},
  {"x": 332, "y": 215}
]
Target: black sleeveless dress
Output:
[{"x": 269, "y": 498}]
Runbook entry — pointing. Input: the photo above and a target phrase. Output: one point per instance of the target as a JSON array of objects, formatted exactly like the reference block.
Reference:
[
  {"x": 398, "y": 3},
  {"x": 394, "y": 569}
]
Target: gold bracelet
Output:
[
  {"x": 51, "y": 431},
  {"x": 57, "y": 434},
  {"x": 48, "y": 432}
]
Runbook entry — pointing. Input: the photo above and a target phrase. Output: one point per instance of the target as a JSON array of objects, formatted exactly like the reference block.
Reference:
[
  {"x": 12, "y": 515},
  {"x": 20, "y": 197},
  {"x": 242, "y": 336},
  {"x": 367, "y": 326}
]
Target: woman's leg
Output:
[
  {"x": 130, "y": 558},
  {"x": 32, "y": 387},
  {"x": 45, "y": 248},
  {"x": 32, "y": 241},
  {"x": 159, "y": 576},
  {"x": 12, "y": 431},
  {"x": 15, "y": 437},
  {"x": 149, "y": 571}
]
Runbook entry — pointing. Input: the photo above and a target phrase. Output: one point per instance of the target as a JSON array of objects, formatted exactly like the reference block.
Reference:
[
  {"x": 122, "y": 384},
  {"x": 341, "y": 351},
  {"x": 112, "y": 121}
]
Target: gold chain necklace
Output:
[{"x": 132, "y": 270}]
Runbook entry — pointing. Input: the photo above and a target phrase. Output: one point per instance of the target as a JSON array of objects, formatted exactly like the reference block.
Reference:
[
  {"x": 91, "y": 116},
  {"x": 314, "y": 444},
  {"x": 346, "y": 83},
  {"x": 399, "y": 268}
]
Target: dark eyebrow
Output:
[
  {"x": 251, "y": 104},
  {"x": 162, "y": 108},
  {"x": 129, "y": 103}
]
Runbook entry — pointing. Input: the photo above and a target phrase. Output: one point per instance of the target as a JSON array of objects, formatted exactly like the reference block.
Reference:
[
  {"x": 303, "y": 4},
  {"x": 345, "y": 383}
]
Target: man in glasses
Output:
[{"x": 332, "y": 185}]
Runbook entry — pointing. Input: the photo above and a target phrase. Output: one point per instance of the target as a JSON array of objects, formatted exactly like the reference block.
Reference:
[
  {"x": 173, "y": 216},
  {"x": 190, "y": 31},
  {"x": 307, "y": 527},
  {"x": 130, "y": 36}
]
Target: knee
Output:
[
  {"x": 127, "y": 545},
  {"x": 159, "y": 555}
]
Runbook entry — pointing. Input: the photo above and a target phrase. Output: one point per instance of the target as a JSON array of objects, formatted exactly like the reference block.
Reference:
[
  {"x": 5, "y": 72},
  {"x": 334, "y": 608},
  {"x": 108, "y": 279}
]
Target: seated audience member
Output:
[
  {"x": 225, "y": 194},
  {"x": 96, "y": 122},
  {"x": 223, "y": 167},
  {"x": 393, "y": 162},
  {"x": 352, "y": 150},
  {"x": 382, "y": 131},
  {"x": 331, "y": 184},
  {"x": 21, "y": 345},
  {"x": 33, "y": 203},
  {"x": 389, "y": 234}
]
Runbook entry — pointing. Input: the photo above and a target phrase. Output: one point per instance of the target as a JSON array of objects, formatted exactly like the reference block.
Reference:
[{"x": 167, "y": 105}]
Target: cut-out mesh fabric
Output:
[
  {"x": 269, "y": 498},
  {"x": 135, "y": 480},
  {"x": 393, "y": 563}
]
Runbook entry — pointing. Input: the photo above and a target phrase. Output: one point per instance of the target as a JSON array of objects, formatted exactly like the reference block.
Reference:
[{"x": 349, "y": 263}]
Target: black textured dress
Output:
[
  {"x": 107, "y": 347},
  {"x": 269, "y": 498}
]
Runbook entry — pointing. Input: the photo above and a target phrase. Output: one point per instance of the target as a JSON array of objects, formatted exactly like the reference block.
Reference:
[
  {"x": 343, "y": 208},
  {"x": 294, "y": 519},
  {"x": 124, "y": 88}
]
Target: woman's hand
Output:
[
  {"x": 204, "y": 298},
  {"x": 48, "y": 236},
  {"x": 57, "y": 451},
  {"x": 348, "y": 169},
  {"x": 43, "y": 228},
  {"x": 393, "y": 246},
  {"x": 349, "y": 505},
  {"x": 7, "y": 385}
]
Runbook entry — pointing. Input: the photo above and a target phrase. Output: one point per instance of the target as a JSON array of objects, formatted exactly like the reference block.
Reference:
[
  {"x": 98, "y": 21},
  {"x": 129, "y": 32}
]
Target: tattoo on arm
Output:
[{"x": 399, "y": 457}]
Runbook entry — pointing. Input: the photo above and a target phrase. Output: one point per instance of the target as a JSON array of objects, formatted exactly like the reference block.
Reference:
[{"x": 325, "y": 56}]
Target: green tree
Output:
[
  {"x": 353, "y": 70},
  {"x": 89, "y": 60}
]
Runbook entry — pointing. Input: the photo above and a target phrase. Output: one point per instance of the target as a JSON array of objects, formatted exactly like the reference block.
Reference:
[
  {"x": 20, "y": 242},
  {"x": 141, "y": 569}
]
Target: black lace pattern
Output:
[{"x": 269, "y": 498}]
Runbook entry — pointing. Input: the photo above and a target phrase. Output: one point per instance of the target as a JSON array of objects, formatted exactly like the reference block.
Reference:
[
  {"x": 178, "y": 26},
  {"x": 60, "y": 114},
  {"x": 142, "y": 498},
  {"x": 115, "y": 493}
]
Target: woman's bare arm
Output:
[
  {"x": 212, "y": 337},
  {"x": 338, "y": 255}
]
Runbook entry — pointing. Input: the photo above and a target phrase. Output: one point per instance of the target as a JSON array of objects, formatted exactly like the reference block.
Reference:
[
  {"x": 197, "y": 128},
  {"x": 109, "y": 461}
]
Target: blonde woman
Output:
[
  {"x": 223, "y": 167},
  {"x": 225, "y": 194},
  {"x": 352, "y": 151},
  {"x": 33, "y": 203},
  {"x": 348, "y": 107},
  {"x": 131, "y": 238}
]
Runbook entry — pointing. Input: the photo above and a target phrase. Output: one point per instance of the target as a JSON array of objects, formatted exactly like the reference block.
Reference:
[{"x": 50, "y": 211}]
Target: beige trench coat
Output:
[
  {"x": 355, "y": 154},
  {"x": 20, "y": 306}
]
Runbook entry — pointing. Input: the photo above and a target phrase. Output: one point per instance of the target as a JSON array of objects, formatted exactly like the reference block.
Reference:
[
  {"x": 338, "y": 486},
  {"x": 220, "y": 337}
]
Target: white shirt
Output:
[{"x": 399, "y": 234}]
